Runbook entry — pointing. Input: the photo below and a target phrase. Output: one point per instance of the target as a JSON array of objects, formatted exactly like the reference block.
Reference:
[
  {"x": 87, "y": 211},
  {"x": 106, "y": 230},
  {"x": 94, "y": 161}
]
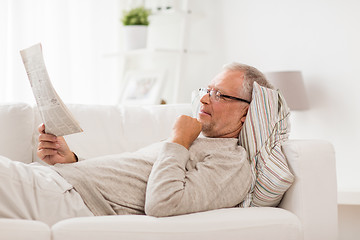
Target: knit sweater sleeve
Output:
[{"x": 220, "y": 180}]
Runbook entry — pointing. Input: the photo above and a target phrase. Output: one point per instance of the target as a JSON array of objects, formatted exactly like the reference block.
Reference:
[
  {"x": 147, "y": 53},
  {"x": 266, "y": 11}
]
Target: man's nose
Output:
[{"x": 205, "y": 99}]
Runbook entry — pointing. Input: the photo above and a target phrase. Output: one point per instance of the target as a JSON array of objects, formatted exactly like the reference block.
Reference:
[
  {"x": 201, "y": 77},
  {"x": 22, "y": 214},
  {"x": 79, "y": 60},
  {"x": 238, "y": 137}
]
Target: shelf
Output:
[
  {"x": 140, "y": 52},
  {"x": 170, "y": 12},
  {"x": 151, "y": 51},
  {"x": 172, "y": 46},
  {"x": 176, "y": 12}
]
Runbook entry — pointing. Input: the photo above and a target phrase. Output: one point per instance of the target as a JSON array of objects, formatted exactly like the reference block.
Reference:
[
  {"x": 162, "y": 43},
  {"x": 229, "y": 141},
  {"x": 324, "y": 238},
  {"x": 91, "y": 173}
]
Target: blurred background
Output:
[{"x": 188, "y": 41}]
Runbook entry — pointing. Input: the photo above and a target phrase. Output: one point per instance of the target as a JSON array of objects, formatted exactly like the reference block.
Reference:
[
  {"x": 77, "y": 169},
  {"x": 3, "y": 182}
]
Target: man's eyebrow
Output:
[
  {"x": 212, "y": 87},
  {"x": 216, "y": 88}
]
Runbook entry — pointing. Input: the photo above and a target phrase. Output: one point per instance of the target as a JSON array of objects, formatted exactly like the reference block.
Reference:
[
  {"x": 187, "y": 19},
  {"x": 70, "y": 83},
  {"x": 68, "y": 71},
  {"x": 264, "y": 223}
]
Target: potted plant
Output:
[{"x": 135, "y": 23}]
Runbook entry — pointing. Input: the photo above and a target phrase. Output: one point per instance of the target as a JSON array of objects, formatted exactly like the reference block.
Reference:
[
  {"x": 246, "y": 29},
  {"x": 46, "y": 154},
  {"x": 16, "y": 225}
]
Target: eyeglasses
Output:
[{"x": 217, "y": 95}]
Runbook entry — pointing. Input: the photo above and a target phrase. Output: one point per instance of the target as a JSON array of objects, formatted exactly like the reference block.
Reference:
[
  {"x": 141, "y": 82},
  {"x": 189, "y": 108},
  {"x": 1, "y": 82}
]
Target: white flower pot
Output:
[{"x": 135, "y": 37}]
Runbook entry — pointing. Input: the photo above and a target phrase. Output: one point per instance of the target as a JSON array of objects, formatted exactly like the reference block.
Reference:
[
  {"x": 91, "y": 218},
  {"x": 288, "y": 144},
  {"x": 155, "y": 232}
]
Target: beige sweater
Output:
[{"x": 163, "y": 179}]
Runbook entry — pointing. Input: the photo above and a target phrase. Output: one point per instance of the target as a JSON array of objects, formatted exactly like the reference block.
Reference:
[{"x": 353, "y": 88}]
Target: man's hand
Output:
[
  {"x": 53, "y": 149},
  {"x": 185, "y": 130}
]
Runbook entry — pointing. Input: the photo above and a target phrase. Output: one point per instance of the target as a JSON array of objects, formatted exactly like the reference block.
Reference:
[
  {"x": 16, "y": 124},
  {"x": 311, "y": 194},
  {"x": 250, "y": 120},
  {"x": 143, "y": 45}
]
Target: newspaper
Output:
[{"x": 55, "y": 115}]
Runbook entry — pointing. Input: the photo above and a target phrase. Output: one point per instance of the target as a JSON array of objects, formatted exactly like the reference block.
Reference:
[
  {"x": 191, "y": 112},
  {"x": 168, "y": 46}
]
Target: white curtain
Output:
[{"x": 79, "y": 39}]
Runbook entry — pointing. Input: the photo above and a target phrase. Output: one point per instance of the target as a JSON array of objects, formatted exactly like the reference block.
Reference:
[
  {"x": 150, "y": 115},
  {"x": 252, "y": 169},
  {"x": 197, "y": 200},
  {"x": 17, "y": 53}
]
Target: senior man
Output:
[{"x": 184, "y": 174}]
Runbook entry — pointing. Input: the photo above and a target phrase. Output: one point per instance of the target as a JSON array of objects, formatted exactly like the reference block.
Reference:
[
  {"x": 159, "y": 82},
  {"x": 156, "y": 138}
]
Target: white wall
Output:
[{"x": 321, "y": 38}]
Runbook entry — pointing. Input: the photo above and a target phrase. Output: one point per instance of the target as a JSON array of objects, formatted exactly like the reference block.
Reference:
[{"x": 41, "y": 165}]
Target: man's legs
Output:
[{"x": 37, "y": 192}]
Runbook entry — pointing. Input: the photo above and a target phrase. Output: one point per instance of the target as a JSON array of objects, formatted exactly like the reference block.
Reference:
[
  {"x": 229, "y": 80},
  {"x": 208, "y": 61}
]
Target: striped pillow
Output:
[{"x": 266, "y": 127}]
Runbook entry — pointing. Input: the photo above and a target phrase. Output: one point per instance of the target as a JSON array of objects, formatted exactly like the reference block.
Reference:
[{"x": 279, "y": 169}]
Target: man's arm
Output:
[
  {"x": 53, "y": 149},
  {"x": 221, "y": 180}
]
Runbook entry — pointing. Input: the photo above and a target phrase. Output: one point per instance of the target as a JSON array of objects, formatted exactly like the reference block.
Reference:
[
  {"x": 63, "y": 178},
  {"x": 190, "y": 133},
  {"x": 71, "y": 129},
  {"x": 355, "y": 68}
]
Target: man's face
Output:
[{"x": 223, "y": 118}]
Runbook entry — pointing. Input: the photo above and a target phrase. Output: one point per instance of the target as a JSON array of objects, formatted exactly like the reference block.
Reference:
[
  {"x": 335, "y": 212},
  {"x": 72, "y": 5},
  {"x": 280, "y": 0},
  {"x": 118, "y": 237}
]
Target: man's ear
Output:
[{"x": 246, "y": 109}]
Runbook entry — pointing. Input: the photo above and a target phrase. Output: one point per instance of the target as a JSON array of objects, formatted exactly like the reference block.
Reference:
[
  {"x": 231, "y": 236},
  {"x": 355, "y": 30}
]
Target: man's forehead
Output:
[{"x": 227, "y": 80}]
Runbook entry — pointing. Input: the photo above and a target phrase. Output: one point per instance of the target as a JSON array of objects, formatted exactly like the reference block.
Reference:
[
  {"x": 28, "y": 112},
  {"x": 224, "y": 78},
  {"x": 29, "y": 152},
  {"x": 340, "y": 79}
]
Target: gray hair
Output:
[{"x": 251, "y": 75}]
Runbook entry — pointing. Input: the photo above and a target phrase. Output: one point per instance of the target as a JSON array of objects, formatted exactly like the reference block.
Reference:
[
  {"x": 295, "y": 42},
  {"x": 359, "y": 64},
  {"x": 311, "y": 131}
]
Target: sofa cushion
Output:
[
  {"x": 16, "y": 130},
  {"x": 116, "y": 129},
  {"x": 147, "y": 124},
  {"x": 266, "y": 127},
  {"x": 230, "y": 224},
  {"x": 18, "y": 229},
  {"x": 103, "y": 131}
]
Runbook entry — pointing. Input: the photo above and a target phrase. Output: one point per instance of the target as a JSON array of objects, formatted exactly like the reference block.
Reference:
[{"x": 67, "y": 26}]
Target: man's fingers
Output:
[
  {"x": 44, "y": 136},
  {"x": 47, "y": 138},
  {"x": 43, "y": 153},
  {"x": 49, "y": 145},
  {"x": 41, "y": 128}
]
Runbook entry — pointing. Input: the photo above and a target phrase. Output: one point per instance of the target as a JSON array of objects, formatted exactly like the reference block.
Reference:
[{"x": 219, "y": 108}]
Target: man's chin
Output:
[
  {"x": 204, "y": 134},
  {"x": 206, "y": 130}
]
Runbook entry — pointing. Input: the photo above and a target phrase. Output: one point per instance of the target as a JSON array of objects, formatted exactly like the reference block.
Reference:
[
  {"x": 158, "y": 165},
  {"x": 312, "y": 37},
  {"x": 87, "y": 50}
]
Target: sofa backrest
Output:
[
  {"x": 116, "y": 129},
  {"x": 16, "y": 131}
]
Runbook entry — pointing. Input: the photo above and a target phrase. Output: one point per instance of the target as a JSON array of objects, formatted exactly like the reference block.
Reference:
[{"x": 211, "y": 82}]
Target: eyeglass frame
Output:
[{"x": 220, "y": 95}]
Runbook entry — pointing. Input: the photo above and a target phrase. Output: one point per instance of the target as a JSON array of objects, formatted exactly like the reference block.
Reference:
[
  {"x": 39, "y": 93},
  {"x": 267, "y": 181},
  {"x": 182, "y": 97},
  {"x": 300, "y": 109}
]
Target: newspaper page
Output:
[{"x": 55, "y": 115}]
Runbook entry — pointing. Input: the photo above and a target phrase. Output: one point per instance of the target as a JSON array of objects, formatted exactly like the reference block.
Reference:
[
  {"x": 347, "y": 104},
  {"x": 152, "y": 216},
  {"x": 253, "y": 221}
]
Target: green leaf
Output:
[{"x": 136, "y": 16}]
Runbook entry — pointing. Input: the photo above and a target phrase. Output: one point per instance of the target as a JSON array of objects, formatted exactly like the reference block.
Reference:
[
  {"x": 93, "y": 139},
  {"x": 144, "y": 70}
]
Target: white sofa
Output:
[{"x": 308, "y": 210}]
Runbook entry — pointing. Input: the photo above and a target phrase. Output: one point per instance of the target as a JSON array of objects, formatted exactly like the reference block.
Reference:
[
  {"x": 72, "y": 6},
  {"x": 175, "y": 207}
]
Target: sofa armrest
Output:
[
  {"x": 313, "y": 196},
  {"x": 16, "y": 131}
]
